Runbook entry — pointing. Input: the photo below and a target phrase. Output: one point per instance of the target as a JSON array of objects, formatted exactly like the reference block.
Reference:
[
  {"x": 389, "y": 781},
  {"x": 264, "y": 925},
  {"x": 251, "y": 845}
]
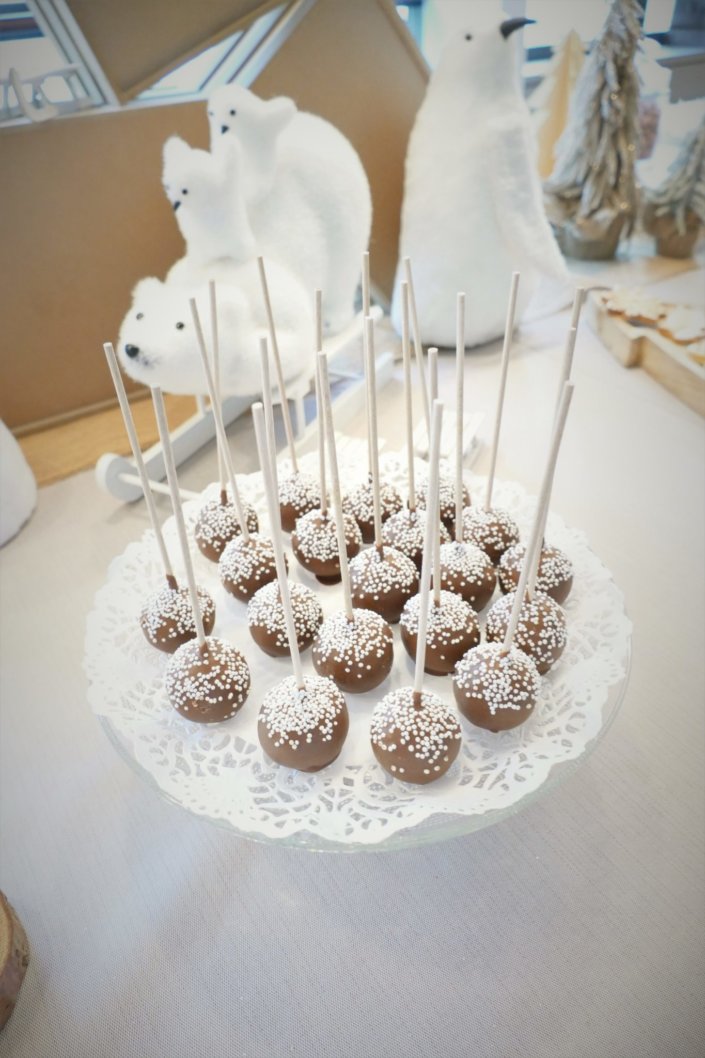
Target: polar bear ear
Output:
[
  {"x": 277, "y": 114},
  {"x": 176, "y": 151},
  {"x": 146, "y": 287}
]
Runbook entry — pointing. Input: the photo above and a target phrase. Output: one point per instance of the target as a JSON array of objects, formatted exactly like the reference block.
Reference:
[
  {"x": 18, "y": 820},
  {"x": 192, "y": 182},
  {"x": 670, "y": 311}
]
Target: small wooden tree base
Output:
[
  {"x": 590, "y": 240},
  {"x": 670, "y": 241},
  {"x": 14, "y": 957}
]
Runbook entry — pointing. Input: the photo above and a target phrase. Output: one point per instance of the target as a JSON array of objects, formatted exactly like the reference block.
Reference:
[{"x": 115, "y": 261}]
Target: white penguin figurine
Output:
[
  {"x": 307, "y": 195},
  {"x": 473, "y": 210}
]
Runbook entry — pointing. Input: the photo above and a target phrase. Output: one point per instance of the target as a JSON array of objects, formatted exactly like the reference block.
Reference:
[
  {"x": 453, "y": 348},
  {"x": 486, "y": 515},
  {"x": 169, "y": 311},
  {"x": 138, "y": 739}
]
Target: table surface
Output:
[{"x": 572, "y": 929}]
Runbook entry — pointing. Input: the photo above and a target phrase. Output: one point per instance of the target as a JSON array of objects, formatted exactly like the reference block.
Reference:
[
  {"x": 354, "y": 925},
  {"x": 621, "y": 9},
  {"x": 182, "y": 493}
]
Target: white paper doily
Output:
[{"x": 220, "y": 771}]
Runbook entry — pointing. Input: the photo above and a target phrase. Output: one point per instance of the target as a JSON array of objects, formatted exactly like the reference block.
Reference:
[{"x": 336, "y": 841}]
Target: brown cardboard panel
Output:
[
  {"x": 82, "y": 217},
  {"x": 137, "y": 42}
]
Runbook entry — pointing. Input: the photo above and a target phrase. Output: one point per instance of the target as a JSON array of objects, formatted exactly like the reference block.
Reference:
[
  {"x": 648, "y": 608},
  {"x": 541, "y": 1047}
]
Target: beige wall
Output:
[{"x": 83, "y": 215}]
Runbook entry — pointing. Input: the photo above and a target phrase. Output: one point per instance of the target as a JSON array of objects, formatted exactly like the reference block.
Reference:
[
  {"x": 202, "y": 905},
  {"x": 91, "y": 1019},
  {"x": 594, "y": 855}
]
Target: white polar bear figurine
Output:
[
  {"x": 306, "y": 192},
  {"x": 206, "y": 195},
  {"x": 158, "y": 346},
  {"x": 473, "y": 210}
]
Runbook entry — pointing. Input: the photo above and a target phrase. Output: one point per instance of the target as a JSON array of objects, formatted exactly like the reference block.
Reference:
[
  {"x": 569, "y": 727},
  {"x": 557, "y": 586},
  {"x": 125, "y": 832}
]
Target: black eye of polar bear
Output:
[
  {"x": 233, "y": 113},
  {"x": 184, "y": 191},
  {"x": 179, "y": 326},
  {"x": 140, "y": 315},
  {"x": 468, "y": 36}
]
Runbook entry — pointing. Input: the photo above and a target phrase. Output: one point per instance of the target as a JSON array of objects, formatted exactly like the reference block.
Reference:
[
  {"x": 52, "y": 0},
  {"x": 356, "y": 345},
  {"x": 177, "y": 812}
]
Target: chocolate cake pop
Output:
[
  {"x": 555, "y": 571},
  {"x": 303, "y": 727},
  {"x": 356, "y": 654},
  {"x": 167, "y": 617},
  {"x": 361, "y": 505},
  {"x": 217, "y": 524},
  {"x": 298, "y": 494},
  {"x": 315, "y": 545},
  {"x": 267, "y": 623},
  {"x": 495, "y": 688},
  {"x": 207, "y": 680},
  {"x": 491, "y": 529},
  {"x": 413, "y": 733},
  {"x": 383, "y": 580},
  {"x": 415, "y": 737},
  {"x": 208, "y": 683},
  {"x": 447, "y": 500},
  {"x": 354, "y": 647},
  {"x": 541, "y": 632},
  {"x": 452, "y": 631},
  {"x": 468, "y": 572},
  {"x": 247, "y": 565},
  {"x": 405, "y": 532}
]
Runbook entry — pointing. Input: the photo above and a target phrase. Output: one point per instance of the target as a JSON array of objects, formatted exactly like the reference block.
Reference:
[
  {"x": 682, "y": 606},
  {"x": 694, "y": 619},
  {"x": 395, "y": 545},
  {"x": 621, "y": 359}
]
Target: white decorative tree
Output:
[
  {"x": 675, "y": 209},
  {"x": 551, "y": 100},
  {"x": 591, "y": 195}
]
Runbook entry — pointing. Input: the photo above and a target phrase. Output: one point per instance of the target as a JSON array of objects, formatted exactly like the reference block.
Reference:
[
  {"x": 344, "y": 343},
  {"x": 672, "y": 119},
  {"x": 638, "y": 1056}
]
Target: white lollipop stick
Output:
[
  {"x": 408, "y": 399},
  {"x": 459, "y": 406},
  {"x": 139, "y": 461},
  {"x": 366, "y": 283},
  {"x": 276, "y": 529},
  {"x": 432, "y": 375},
  {"x": 533, "y": 548},
  {"x": 218, "y": 420},
  {"x": 508, "y": 332},
  {"x": 418, "y": 348},
  {"x": 372, "y": 406},
  {"x": 318, "y": 316},
  {"x": 431, "y": 518},
  {"x": 578, "y": 301},
  {"x": 215, "y": 345},
  {"x": 278, "y": 365},
  {"x": 165, "y": 438},
  {"x": 335, "y": 482},
  {"x": 268, "y": 409}
]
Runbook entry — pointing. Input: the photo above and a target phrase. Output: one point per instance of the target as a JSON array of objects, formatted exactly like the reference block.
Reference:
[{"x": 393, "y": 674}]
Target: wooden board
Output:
[
  {"x": 665, "y": 360},
  {"x": 14, "y": 957}
]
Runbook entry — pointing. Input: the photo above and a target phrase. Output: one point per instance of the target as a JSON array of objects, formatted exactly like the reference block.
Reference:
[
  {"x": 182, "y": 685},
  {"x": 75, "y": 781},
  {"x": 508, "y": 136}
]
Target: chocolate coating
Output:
[
  {"x": 493, "y": 531},
  {"x": 541, "y": 632},
  {"x": 496, "y": 690},
  {"x": 468, "y": 572},
  {"x": 209, "y": 683},
  {"x": 314, "y": 542},
  {"x": 360, "y": 504},
  {"x": 217, "y": 524},
  {"x": 452, "y": 631},
  {"x": 298, "y": 494},
  {"x": 405, "y": 531},
  {"x": 356, "y": 654},
  {"x": 265, "y": 618},
  {"x": 246, "y": 566},
  {"x": 446, "y": 495},
  {"x": 414, "y": 737},
  {"x": 383, "y": 582},
  {"x": 555, "y": 576},
  {"x": 303, "y": 728},
  {"x": 167, "y": 618}
]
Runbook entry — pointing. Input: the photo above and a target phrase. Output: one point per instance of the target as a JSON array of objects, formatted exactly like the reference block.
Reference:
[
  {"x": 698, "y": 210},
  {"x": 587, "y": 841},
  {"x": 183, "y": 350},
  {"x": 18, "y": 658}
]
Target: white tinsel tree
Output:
[
  {"x": 591, "y": 194},
  {"x": 683, "y": 190}
]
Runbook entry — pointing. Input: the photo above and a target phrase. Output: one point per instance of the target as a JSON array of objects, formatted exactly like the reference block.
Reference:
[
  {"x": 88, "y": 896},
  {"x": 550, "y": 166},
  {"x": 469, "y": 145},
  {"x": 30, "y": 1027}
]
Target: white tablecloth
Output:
[{"x": 572, "y": 929}]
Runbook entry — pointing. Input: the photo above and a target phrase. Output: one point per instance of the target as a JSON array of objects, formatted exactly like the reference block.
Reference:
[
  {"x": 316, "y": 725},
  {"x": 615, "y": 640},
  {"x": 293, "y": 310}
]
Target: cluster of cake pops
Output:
[{"x": 434, "y": 561}]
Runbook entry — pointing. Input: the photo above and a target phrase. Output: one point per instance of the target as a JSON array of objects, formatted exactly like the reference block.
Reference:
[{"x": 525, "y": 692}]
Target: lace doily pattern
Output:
[{"x": 221, "y": 772}]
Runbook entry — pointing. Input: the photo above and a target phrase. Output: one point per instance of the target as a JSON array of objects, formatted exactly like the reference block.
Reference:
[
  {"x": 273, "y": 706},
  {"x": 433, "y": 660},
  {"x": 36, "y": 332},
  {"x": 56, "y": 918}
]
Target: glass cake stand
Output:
[{"x": 219, "y": 772}]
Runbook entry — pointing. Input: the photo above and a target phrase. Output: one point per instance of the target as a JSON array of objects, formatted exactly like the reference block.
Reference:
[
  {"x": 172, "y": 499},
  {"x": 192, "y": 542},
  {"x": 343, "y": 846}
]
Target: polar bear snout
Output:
[{"x": 132, "y": 351}]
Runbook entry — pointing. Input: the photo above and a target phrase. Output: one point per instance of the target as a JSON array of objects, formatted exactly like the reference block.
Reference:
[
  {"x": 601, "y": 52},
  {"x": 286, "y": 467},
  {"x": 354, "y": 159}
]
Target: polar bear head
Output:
[
  {"x": 158, "y": 344},
  {"x": 480, "y": 58},
  {"x": 237, "y": 115},
  {"x": 206, "y": 195}
]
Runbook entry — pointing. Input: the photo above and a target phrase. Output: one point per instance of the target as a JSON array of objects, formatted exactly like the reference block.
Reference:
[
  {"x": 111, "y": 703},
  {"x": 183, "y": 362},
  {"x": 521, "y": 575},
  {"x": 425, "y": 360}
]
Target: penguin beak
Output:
[{"x": 507, "y": 28}]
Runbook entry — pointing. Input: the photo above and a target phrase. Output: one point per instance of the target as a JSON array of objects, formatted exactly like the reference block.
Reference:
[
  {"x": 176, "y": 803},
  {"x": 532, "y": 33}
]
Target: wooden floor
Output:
[{"x": 59, "y": 451}]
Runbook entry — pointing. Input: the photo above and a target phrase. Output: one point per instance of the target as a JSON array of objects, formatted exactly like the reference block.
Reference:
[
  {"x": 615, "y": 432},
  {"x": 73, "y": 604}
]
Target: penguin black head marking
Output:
[{"x": 510, "y": 24}]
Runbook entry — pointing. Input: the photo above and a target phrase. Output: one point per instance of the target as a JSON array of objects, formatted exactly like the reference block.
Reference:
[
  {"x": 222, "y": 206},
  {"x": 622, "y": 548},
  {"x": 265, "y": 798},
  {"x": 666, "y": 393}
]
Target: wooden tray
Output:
[{"x": 666, "y": 361}]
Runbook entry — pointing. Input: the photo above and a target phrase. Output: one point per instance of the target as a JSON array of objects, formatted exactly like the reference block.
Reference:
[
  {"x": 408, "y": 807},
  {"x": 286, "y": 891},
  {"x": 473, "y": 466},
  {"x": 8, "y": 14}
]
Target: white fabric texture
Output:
[{"x": 571, "y": 930}]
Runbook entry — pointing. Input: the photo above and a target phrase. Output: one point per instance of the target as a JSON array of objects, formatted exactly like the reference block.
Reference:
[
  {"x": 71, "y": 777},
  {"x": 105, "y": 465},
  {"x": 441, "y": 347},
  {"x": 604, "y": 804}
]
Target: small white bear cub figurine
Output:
[{"x": 158, "y": 345}]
